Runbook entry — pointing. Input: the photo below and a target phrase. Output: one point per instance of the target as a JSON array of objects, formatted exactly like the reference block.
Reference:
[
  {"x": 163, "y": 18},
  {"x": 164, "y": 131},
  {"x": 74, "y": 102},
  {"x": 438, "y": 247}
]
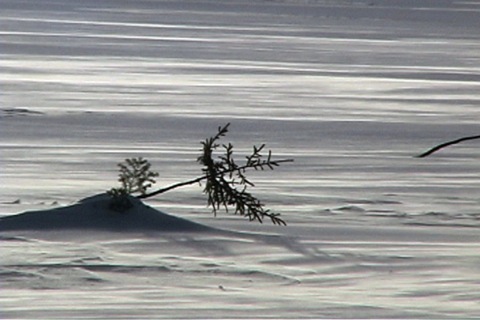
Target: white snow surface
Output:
[
  {"x": 96, "y": 213},
  {"x": 351, "y": 89}
]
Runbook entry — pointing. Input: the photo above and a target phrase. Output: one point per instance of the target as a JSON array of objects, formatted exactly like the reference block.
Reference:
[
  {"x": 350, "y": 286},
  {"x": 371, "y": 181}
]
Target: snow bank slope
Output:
[{"x": 94, "y": 213}]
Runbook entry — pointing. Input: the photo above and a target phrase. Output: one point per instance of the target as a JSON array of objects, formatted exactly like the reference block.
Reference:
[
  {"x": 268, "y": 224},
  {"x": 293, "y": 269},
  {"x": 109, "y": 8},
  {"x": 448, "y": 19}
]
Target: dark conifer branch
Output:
[
  {"x": 225, "y": 184},
  {"x": 275, "y": 163},
  {"x": 446, "y": 144}
]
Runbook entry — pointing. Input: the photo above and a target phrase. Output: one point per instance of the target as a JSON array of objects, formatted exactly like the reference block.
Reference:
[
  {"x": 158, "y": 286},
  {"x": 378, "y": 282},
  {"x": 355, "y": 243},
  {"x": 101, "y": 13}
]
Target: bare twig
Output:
[
  {"x": 197, "y": 180},
  {"x": 446, "y": 144}
]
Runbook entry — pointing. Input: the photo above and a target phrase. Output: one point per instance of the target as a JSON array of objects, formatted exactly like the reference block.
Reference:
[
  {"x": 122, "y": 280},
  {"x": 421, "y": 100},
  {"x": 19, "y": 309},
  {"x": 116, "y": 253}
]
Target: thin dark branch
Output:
[
  {"x": 198, "y": 179},
  {"x": 173, "y": 186},
  {"x": 446, "y": 144}
]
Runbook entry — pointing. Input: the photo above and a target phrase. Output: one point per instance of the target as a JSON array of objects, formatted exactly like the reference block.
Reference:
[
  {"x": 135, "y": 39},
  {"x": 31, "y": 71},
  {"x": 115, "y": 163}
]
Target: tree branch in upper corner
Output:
[{"x": 446, "y": 144}]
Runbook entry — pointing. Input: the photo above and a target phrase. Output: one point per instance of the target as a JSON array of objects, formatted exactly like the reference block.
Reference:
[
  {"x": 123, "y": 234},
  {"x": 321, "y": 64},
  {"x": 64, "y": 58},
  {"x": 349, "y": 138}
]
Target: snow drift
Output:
[{"x": 94, "y": 213}]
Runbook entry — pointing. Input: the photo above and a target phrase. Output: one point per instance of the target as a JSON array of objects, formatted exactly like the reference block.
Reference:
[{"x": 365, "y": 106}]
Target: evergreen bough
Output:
[{"x": 226, "y": 184}]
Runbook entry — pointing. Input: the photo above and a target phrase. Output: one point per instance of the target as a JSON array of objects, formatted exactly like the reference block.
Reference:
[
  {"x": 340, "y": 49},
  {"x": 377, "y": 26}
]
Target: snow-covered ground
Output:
[{"x": 351, "y": 89}]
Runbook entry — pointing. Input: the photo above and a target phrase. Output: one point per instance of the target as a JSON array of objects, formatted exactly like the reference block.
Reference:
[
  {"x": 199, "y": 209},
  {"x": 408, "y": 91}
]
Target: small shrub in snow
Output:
[{"x": 135, "y": 177}]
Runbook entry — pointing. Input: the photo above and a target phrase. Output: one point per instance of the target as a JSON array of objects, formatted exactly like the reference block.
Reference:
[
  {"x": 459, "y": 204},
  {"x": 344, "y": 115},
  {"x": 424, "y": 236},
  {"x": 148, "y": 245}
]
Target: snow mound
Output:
[{"x": 95, "y": 213}]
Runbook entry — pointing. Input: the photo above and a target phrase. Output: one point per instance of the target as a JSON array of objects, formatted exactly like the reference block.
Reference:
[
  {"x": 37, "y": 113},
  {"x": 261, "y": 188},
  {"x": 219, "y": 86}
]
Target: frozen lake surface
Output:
[{"x": 352, "y": 90}]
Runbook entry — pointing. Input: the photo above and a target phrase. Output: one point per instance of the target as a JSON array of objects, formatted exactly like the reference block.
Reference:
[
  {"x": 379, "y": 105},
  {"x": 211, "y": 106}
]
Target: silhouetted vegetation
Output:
[
  {"x": 446, "y": 144},
  {"x": 225, "y": 182}
]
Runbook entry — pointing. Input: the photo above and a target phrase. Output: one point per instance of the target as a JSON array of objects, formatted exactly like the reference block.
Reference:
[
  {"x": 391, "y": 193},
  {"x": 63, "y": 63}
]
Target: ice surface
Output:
[{"x": 351, "y": 89}]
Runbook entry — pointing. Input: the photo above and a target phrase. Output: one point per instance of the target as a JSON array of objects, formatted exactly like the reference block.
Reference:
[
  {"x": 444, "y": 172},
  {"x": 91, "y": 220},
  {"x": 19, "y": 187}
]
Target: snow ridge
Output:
[{"x": 94, "y": 213}]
